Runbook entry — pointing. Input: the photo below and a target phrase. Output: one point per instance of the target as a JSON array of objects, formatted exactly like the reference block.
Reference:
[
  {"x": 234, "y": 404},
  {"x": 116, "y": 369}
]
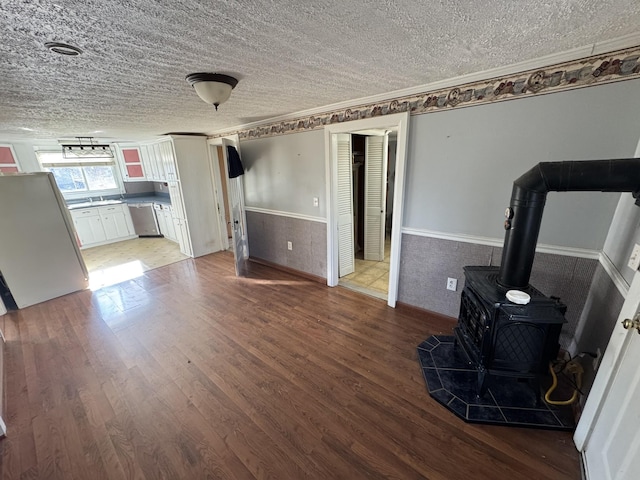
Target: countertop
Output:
[{"x": 162, "y": 199}]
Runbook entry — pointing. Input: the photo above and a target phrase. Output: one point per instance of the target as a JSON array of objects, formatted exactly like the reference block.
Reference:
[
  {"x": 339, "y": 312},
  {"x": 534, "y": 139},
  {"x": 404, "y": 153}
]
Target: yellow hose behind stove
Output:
[{"x": 572, "y": 367}]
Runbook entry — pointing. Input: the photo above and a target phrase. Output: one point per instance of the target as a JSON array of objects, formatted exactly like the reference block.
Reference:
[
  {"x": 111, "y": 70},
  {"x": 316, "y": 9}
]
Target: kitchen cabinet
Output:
[
  {"x": 114, "y": 222},
  {"x": 182, "y": 234},
  {"x": 183, "y": 162},
  {"x": 8, "y": 162},
  {"x": 133, "y": 169},
  {"x": 167, "y": 213},
  {"x": 88, "y": 226},
  {"x": 168, "y": 161},
  {"x": 101, "y": 225}
]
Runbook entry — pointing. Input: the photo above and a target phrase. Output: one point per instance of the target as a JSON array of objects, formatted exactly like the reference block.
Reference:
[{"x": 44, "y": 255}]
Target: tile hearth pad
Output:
[{"x": 452, "y": 380}]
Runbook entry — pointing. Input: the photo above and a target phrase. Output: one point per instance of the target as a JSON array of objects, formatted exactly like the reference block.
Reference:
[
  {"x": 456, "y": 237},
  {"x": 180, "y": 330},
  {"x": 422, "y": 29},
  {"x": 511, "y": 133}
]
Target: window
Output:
[{"x": 81, "y": 177}]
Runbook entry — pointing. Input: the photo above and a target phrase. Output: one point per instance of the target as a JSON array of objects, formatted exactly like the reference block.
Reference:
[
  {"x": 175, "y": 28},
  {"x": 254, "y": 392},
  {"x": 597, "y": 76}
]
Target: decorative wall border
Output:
[{"x": 594, "y": 70}]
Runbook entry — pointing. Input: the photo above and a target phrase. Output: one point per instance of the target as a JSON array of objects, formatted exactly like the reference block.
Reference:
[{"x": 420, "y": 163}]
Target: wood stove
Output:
[{"x": 503, "y": 338}]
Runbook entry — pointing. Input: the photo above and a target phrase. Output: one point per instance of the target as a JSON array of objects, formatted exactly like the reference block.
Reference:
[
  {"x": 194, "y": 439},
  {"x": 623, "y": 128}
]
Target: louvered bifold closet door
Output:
[
  {"x": 346, "y": 255},
  {"x": 375, "y": 169}
]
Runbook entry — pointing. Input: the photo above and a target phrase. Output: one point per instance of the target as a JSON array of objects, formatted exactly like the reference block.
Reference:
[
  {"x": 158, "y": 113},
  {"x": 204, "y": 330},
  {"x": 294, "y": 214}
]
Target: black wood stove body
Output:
[{"x": 503, "y": 338}]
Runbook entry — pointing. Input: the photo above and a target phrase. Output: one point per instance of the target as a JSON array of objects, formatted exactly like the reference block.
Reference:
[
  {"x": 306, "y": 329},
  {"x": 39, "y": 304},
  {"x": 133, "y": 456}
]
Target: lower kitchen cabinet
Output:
[{"x": 101, "y": 225}]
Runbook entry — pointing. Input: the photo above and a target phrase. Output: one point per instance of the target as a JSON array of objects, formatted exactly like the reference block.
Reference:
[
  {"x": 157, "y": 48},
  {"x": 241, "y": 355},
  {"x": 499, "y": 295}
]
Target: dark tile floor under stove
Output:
[{"x": 451, "y": 380}]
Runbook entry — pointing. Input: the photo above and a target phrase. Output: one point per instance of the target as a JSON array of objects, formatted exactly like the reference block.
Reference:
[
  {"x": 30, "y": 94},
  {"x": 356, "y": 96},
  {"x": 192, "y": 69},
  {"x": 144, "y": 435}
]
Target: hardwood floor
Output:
[{"x": 189, "y": 372}]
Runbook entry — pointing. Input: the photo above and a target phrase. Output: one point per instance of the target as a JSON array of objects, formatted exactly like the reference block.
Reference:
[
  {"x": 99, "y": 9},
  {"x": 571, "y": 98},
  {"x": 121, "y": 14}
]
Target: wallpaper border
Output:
[{"x": 594, "y": 70}]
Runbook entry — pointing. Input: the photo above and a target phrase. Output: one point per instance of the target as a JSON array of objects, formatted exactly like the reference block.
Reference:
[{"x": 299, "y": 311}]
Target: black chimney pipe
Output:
[{"x": 524, "y": 215}]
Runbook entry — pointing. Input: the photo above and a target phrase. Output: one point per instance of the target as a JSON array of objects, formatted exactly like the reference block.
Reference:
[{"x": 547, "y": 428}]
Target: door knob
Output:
[{"x": 631, "y": 324}]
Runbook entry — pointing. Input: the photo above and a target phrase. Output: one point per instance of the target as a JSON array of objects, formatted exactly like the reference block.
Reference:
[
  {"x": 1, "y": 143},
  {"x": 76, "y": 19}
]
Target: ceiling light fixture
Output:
[
  {"x": 213, "y": 88},
  {"x": 63, "y": 48},
  {"x": 86, "y": 150}
]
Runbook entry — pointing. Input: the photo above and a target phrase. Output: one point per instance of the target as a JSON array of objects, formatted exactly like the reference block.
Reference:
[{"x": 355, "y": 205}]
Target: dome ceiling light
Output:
[
  {"x": 63, "y": 48},
  {"x": 213, "y": 88}
]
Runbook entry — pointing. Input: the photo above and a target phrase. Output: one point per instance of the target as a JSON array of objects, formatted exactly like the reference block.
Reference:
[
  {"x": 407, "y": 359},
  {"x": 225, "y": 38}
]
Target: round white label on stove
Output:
[{"x": 519, "y": 297}]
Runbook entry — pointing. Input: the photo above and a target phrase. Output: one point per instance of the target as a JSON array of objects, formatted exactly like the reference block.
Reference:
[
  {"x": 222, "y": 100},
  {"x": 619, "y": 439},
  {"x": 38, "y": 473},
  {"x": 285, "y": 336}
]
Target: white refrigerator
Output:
[{"x": 39, "y": 254}]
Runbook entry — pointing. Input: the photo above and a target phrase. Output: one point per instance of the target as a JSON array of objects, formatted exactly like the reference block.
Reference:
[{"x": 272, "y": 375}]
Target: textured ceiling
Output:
[{"x": 289, "y": 55}]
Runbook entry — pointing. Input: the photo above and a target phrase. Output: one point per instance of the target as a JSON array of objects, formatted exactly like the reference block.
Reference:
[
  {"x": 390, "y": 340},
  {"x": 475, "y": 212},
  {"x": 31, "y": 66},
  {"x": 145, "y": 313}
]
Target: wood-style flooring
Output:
[{"x": 188, "y": 372}]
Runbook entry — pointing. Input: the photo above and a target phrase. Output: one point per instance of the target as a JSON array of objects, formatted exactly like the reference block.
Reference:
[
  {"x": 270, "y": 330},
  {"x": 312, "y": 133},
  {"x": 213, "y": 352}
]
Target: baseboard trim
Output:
[
  {"x": 292, "y": 271},
  {"x": 409, "y": 309}
]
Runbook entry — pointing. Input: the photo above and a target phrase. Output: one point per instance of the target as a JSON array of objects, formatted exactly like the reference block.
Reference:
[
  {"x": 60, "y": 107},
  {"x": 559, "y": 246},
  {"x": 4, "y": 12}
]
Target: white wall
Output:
[
  {"x": 26, "y": 156},
  {"x": 284, "y": 173},
  {"x": 462, "y": 163}
]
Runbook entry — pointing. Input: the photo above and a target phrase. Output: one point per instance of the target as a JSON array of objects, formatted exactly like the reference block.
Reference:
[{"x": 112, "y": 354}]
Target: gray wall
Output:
[
  {"x": 428, "y": 262},
  {"x": 284, "y": 173},
  {"x": 600, "y": 314},
  {"x": 462, "y": 163},
  {"x": 269, "y": 234}
]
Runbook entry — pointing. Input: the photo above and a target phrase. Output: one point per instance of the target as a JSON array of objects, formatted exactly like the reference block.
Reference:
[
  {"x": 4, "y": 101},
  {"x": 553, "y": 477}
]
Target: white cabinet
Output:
[
  {"x": 88, "y": 226},
  {"x": 168, "y": 161},
  {"x": 115, "y": 223},
  {"x": 102, "y": 225},
  {"x": 129, "y": 158},
  {"x": 183, "y": 162},
  {"x": 182, "y": 234}
]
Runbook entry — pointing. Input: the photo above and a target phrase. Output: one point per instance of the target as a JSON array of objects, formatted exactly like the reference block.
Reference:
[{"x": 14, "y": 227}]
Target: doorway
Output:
[
  {"x": 340, "y": 218},
  {"x": 373, "y": 154}
]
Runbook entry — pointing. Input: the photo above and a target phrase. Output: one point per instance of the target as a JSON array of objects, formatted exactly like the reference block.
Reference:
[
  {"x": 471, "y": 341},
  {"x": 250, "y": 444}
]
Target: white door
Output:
[
  {"x": 609, "y": 430},
  {"x": 238, "y": 216},
  {"x": 375, "y": 196},
  {"x": 346, "y": 247}
]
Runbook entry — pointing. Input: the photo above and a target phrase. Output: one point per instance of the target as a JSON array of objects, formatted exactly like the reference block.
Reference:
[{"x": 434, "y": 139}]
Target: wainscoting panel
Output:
[
  {"x": 269, "y": 234},
  {"x": 427, "y": 263}
]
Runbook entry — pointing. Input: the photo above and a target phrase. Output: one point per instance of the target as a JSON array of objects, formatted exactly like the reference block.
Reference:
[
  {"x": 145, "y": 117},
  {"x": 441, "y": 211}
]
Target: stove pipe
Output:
[{"x": 528, "y": 197}]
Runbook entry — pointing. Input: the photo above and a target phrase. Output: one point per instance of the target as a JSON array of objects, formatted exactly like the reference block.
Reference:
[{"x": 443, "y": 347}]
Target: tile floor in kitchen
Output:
[{"x": 120, "y": 261}]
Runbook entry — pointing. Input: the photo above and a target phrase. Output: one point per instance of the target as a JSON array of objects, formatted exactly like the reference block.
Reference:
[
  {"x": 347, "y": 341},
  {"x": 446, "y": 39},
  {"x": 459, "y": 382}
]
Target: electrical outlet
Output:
[
  {"x": 596, "y": 361},
  {"x": 316, "y": 202},
  {"x": 452, "y": 284},
  {"x": 289, "y": 246},
  {"x": 634, "y": 260}
]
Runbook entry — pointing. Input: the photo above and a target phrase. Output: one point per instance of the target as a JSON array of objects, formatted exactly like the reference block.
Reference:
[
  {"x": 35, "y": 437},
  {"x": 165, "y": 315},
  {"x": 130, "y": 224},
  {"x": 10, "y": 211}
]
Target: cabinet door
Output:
[
  {"x": 133, "y": 169},
  {"x": 109, "y": 225},
  {"x": 169, "y": 161},
  {"x": 115, "y": 222},
  {"x": 182, "y": 232},
  {"x": 146, "y": 152},
  {"x": 90, "y": 230},
  {"x": 8, "y": 163},
  {"x": 176, "y": 200},
  {"x": 167, "y": 213}
]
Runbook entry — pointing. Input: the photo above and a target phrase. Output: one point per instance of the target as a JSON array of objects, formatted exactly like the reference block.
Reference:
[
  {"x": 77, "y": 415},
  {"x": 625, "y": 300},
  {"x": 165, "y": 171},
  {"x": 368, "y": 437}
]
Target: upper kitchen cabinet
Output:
[
  {"x": 159, "y": 161},
  {"x": 131, "y": 164},
  {"x": 8, "y": 162}
]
